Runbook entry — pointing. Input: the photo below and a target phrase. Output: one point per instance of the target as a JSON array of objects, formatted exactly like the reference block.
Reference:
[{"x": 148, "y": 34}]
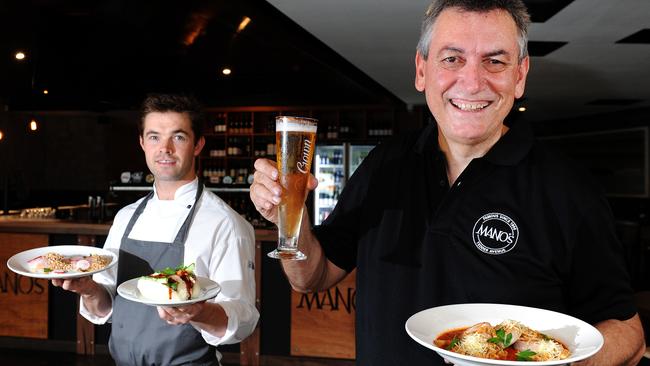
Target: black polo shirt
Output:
[{"x": 519, "y": 226}]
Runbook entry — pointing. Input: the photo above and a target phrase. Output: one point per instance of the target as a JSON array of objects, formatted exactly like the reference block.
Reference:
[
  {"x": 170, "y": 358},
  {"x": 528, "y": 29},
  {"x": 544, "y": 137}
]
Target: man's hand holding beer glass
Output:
[
  {"x": 282, "y": 199},
  {"x": 316, "y": 272},
  {"x": 266, "y": 191}
]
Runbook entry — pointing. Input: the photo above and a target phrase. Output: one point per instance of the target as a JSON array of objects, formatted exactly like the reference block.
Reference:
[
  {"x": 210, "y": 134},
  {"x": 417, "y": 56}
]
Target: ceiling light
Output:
[
  {"x": 226, "y": 71},
  {"x": 1, "y": 135},
  {"x": 522, "y": 109},
  {"x": 33, "y": 125},
  {"x": 45, "y": 91},
  {"x": 20, "y": 56},
  {"x": 243, "y": 24}
]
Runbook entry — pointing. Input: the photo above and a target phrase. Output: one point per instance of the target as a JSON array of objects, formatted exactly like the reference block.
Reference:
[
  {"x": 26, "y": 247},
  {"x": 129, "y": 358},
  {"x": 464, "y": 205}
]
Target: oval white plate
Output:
[
  {"x": 18, "y": 262},
  {"x": 582, "y": 339},
  {"x": 129, "y": 290}
]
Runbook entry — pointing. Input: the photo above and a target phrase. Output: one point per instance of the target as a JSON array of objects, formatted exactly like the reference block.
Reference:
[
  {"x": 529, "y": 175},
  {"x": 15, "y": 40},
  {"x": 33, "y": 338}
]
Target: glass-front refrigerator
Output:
[
  {"x": 357, "y": 153},
  {"x": 330, "y": 172},
  {"x": 333, "y": 166}
]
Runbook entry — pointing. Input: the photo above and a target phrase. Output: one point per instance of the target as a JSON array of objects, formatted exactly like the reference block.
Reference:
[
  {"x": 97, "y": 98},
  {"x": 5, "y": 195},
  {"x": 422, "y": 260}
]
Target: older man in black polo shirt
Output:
[{"x": 469, "y": 209}]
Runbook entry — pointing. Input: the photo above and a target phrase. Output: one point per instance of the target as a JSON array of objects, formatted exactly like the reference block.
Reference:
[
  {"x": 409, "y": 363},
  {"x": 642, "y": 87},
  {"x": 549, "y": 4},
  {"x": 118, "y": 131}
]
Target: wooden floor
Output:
[
  {"x": 21, "y": 357},
  {"x": 11, "y": 357},
  {"x": 50, "y": 358}
]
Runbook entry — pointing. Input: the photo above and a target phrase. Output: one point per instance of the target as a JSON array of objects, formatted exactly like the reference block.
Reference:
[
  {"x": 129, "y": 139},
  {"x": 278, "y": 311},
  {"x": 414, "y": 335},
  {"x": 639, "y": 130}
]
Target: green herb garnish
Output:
[
  {"x": 171, "y": 271},
  {"x": 47, "y": 270},
  {"x": 525, "y": 355},
  {"x": 454, "y": 343},
  {"x": 502, "y": 338},
  {"x": 168, "y": 271},
  {"x": 172, "y": 284}
]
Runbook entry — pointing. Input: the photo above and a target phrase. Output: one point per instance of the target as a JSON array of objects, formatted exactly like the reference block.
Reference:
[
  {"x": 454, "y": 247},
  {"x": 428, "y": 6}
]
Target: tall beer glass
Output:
[{"x": 295, "y": 139}]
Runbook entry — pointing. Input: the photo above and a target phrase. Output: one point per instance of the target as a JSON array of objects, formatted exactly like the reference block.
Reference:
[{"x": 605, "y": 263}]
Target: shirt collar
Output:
[
  {"x": 509, "y": 150},
  {"x": 428, "y": 140},
  {"x": 513, "y": 146},
  {"x": 185, "y": 194}
]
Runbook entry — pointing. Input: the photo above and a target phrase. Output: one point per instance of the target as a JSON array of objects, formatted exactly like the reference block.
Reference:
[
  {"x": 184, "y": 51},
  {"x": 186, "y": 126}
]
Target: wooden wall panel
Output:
[
  {"x": 322, "y": 324},
  {"x": 23, "y": 300}
]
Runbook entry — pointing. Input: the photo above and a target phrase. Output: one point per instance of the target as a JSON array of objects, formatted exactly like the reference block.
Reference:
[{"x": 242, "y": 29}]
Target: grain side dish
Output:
[{"x": 57, "y": 263}]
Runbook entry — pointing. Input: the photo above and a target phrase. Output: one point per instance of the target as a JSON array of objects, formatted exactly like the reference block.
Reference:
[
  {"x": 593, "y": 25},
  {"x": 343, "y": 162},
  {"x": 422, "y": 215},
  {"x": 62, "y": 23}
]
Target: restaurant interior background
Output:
[{"x": 68, "y": 108}]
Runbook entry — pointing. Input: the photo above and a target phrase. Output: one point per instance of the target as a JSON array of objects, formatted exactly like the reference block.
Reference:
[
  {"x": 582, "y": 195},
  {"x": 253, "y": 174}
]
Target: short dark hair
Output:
[
  {"x": 179, "y": 103},
  {"x": 516, "y": 9}
]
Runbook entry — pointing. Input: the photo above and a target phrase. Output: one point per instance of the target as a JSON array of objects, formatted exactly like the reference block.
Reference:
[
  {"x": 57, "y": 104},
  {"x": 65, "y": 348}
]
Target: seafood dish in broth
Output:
[{"x": 509, "y": 340}]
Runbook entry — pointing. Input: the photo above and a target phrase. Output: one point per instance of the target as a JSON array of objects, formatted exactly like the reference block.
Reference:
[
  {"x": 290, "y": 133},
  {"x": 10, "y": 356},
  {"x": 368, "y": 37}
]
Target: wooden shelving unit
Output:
[{"x": 236, "y": 136}]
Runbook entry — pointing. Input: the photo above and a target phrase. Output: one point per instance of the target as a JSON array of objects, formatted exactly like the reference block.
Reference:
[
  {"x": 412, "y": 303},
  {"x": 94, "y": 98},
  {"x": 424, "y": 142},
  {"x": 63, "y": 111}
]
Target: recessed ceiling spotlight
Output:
[
  {"x": 226, "y": 71},
  {"x": 33, "y": 125},
  {"x": 20, "y": 55},
  {"x": 522, "y": 109},
  {"x": 46, "y": 92},
  {"x": 1, "y": 135},
  {"x": 243, "y": 24}
]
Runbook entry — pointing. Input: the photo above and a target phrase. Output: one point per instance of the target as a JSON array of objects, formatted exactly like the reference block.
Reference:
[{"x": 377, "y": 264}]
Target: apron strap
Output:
[
  {"x": 136, "y": 214},
  {"x": 185, "y": 228}
]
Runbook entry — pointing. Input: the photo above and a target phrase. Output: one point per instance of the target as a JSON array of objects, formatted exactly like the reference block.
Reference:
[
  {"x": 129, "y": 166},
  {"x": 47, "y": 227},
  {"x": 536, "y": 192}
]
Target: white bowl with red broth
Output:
[{"x": 580, "y": 338}]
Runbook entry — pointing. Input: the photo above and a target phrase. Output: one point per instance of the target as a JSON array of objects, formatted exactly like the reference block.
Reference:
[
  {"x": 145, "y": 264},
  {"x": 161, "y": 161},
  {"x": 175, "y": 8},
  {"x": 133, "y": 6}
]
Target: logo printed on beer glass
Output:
[{"x": 306, "y": 149}]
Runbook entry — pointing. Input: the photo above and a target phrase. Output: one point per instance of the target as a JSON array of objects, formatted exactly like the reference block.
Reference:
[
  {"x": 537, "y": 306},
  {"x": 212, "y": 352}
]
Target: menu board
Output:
[
  {"x": 322, "y": 323},
  {"x": 23, "y": 300}
]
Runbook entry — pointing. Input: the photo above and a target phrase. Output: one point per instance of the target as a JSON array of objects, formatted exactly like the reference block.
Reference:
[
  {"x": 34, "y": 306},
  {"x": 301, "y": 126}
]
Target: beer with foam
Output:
[{"x": 295, "y": 144}]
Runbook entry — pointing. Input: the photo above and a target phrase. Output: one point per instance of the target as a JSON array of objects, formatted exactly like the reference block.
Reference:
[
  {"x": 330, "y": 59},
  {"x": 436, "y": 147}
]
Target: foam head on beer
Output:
[{"x": 287, "y": 124}]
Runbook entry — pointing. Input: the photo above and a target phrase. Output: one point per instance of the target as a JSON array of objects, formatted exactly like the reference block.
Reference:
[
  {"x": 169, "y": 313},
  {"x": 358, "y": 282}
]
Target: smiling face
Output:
[
  {"x": 169, "y": 147},
  {"x": 472, "y": 74}
]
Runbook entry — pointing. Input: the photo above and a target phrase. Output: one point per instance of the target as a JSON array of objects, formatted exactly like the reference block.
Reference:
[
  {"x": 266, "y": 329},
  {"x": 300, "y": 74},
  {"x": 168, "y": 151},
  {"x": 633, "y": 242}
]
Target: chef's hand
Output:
[
  {"x": 265, "y": 190},
  {"x": 181, "y": 314},
  {"x": 82, "y": 285},
  {"x": 94, "y": 296}
]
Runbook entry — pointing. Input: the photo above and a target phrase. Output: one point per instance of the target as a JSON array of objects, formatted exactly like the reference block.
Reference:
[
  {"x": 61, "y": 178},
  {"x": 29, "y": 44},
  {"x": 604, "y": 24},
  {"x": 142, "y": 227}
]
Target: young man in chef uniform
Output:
[{"x": 178, "y": 223}]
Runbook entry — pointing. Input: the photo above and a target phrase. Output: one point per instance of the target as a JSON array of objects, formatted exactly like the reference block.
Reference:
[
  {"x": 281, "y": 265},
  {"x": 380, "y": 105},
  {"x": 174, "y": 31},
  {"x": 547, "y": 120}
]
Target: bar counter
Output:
[
  {"x": 29, "y": 300},
  {"x": 14, "y": 224}
]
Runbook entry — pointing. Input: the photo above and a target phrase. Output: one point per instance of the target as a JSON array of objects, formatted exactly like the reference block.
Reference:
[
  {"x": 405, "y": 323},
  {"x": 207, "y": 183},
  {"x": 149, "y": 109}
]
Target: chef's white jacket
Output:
[{"x": 220, "y": 242}]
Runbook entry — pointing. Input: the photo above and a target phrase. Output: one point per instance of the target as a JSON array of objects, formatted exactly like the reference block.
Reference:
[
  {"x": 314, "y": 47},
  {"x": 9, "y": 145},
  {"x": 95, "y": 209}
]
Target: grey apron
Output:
[{"x": 138, "y": 335}]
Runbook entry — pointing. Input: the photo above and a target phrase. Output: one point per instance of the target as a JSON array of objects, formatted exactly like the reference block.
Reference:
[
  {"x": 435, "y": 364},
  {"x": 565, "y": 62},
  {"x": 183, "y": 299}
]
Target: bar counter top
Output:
[
  {"x": 13, "y": 224},
  {"x": 16, "y": 224}
]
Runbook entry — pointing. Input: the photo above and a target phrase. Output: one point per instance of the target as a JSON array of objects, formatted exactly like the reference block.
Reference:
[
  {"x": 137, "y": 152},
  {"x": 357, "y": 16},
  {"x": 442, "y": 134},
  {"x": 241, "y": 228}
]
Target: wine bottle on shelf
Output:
[
  {"x": 247, "y": 147},
  {"x": 220, "y": 123},
  {"x": 227, "y": 179}
]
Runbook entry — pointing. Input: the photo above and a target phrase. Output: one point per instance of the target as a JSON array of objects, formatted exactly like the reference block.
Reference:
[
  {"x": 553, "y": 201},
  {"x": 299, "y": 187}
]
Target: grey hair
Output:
[{"x": 515, "y": 8}]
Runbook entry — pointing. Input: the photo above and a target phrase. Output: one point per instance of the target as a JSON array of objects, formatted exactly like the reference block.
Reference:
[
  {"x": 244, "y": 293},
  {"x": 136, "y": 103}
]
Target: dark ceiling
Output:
[{"x": 107, "y": 54}]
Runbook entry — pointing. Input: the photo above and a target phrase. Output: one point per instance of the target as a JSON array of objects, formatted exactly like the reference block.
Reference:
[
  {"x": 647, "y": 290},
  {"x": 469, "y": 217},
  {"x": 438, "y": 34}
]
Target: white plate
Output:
[
  {"x": 129, "y": 290},
  {"x": 18, "y": 262},
  {"x": 582, "y": 339}
]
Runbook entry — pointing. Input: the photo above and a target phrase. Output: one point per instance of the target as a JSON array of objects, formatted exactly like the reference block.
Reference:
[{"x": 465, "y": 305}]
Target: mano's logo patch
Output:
[{"x": 495, "y": 233}]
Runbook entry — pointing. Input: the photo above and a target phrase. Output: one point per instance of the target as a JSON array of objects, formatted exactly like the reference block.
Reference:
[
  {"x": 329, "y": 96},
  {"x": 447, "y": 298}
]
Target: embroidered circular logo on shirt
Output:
[{"x": 495, "y": 233}]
